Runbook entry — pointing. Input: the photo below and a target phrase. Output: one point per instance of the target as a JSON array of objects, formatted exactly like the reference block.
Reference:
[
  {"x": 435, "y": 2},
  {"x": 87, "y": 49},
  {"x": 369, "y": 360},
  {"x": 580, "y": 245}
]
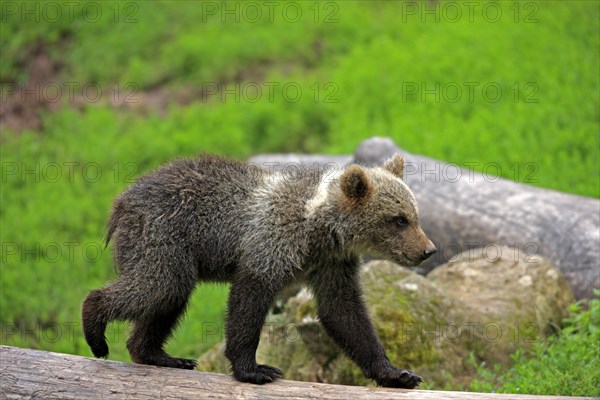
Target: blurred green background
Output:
[{"x": 97, "y": 93}]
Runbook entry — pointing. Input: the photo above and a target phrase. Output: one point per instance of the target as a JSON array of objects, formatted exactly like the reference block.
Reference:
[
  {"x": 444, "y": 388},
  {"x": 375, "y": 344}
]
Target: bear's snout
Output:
[
  {"x": 428, "y": 253},
  {"x": 429, "y": 247}
]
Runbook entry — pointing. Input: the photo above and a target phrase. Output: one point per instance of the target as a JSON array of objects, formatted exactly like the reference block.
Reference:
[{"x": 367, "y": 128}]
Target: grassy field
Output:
[
  {"x": 567, "y": 365},
  {"x": 511, "y": 83}
]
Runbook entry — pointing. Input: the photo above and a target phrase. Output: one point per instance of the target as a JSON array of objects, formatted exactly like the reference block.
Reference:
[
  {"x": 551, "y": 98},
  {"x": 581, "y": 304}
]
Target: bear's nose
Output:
[{"x": 428, "y": 252}]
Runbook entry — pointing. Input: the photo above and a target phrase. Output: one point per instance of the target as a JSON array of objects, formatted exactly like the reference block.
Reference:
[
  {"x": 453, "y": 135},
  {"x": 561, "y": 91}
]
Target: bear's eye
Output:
[{"x": 401, "y": 221}]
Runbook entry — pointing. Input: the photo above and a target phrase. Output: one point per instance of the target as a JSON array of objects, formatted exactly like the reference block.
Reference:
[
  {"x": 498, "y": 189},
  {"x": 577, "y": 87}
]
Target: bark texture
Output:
[{"x": 27, "y": 374}]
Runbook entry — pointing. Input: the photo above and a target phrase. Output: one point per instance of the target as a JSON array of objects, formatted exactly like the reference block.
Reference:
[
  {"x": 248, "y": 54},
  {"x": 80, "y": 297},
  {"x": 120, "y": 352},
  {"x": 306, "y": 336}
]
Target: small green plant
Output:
[{"x": 568, "y": 364}]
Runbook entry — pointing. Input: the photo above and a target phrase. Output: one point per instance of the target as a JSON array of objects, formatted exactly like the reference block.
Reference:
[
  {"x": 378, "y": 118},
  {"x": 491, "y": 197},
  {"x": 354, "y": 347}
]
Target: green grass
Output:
[
  {"x": 568, "y": 365},
  {"x": 355, "y": 71}
]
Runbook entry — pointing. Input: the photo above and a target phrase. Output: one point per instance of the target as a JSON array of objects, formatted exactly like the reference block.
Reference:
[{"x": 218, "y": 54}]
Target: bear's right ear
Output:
[
  {"x": 395, "y": 165},
  {"x": 355, "y": 183}
]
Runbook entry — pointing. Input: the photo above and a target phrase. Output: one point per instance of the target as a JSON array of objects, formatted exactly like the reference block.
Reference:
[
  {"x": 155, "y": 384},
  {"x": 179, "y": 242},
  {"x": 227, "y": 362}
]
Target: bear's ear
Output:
[
  {"x": 355, "y": 183},
  {"x": 395, "y": 165}
]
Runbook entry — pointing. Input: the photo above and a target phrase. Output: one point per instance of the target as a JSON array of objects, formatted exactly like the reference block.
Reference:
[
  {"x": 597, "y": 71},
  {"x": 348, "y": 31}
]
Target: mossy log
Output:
[{"x": 26, "y": 373}]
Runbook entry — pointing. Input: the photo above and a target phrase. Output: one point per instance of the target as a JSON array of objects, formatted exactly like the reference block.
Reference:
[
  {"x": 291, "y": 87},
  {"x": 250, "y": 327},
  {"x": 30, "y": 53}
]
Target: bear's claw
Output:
[
  {"x": 399, "y": 378},
  {"x": 259, "y": 374}
]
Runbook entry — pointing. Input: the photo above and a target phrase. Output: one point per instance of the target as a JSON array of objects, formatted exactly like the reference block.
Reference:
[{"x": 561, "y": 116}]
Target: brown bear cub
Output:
[{"x": 219, "y": 220}]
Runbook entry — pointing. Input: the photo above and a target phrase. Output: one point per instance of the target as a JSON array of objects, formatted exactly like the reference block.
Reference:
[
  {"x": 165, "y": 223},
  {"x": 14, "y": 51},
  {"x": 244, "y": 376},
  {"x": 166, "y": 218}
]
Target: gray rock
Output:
[
  {"x": 475, "y": 307},
  {"x": 371, "y": 151},
  {"x": 517, "y": 297}
]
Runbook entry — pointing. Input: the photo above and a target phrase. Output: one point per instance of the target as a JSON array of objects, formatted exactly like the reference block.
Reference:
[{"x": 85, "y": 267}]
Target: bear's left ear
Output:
[
  {"x": 395, "y": 165},
  {"x": 355, "y": 183}
]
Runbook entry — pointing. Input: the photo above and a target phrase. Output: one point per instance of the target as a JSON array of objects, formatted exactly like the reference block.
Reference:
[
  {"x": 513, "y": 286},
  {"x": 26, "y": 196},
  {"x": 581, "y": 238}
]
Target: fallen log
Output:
[
  {"x": 26, "y": 373},
  {"x": 464, "y": 209}
]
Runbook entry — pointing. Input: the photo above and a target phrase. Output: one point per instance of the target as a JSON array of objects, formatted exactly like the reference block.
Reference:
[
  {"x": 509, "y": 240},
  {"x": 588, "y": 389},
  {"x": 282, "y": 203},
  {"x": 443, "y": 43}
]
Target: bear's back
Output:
[{"x": 193, "y": 204}]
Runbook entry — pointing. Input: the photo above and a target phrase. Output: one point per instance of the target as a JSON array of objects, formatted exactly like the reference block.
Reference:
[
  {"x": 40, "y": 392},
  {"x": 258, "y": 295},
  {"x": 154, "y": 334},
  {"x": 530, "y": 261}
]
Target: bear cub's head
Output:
[{"x": 382, "y": 213}]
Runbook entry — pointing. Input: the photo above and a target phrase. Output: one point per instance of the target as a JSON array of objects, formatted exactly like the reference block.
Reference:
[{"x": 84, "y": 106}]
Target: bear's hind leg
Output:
[
  {"x": 95, "y": 315},
  {"x": 156, "y": 294},
  {"x": 149, "y": 336}
]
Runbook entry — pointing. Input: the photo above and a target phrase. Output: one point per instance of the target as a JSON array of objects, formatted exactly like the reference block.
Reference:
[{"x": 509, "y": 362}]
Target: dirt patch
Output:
[
  {"x": 46, "y": 90},
  {"x": 22, "y": 104}
]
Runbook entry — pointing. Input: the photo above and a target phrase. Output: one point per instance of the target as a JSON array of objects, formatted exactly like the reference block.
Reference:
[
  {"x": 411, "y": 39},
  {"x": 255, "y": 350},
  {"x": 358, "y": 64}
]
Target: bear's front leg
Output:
[
  {"x": 343, "y": 314},
  {"x": 249, "y": 302},
  {"x": 398, "y": 378}
]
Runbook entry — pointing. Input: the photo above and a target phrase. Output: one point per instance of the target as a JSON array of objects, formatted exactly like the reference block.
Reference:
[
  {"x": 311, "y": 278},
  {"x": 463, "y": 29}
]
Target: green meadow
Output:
[{"x": 132, "y": 85}]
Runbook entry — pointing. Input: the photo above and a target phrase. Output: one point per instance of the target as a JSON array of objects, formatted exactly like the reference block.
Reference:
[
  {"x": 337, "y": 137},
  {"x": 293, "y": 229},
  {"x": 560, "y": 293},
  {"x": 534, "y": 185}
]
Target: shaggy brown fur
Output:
[{"x": 214, "y": 219}]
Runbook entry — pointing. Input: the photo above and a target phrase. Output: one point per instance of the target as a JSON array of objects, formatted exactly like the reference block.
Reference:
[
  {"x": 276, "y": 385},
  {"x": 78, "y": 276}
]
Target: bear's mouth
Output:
[{"x": 411, "y": 261}]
